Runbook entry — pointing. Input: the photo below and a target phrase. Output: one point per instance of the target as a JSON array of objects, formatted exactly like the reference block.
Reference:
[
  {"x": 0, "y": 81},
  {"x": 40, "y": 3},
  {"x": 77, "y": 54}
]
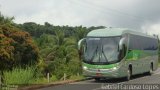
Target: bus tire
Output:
[
  {"x": 129, "y": 74},
  {"x": 151, "y": 69},
  {"x": 97, "y": 79}
]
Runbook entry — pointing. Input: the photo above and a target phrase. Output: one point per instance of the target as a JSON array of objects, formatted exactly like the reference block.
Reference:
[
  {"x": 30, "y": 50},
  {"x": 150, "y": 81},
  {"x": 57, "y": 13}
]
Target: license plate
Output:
[{"x": 98, "y": 74}]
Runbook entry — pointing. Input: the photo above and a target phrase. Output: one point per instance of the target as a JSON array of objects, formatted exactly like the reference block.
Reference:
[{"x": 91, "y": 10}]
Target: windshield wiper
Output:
[
  {"x": 104, "y": 54},
  {"x": 94, "y": 53}
]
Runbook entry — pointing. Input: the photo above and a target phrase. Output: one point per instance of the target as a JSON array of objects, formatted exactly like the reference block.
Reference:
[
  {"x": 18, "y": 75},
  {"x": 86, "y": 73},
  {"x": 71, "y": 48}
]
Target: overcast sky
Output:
[{"x": 141, "y": 15}]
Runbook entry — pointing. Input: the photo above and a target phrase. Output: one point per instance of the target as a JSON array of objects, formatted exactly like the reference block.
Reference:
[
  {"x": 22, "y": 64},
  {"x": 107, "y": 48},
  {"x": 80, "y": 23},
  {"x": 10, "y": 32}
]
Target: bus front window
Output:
[{"x": 101, "y": 50}]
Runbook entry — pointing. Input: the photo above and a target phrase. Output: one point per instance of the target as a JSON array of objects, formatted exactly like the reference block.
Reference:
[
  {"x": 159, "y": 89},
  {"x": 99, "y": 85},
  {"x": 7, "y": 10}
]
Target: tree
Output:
[
  {"x": 16, "y": 46},
  {"x": 6, "y": 20},
  {"x": 59, "y": 51},
  {"x": 80, "y": 33}
]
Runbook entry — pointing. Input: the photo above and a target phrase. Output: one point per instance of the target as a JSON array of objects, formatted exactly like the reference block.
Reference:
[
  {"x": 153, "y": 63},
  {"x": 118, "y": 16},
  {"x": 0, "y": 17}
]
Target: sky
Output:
[{"x": 140, "y": 15}]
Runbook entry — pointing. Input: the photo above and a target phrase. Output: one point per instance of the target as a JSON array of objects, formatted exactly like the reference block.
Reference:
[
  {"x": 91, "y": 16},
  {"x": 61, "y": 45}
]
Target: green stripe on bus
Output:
[
  {"x": 138, "y": 54},
  {"x": 99, "y": 66}
]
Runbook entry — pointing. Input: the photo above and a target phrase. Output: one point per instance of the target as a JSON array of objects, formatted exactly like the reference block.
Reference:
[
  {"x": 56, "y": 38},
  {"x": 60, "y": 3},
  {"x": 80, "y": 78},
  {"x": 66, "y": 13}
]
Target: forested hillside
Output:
[{"x": 31, "y": 50}]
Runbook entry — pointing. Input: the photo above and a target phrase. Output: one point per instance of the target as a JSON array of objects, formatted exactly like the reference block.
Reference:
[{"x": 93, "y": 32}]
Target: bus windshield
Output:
[{"x": 101, "y": 50}]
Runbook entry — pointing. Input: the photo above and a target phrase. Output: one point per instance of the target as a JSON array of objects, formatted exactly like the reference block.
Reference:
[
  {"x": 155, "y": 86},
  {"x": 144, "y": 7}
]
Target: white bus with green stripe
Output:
[{"x": 118, "y": 52}]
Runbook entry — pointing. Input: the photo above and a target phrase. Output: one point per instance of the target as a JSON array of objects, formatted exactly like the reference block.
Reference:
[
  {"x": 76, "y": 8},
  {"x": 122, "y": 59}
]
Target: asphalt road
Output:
[{"x": 142, "y": 81}]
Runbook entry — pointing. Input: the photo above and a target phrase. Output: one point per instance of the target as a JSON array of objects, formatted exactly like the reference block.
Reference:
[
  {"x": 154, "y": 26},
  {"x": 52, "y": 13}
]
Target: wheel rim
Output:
[
  {"x": 97, "y": 79},
  {"x": 151, "y": 70},
  {"x": 129, "y": 75}
]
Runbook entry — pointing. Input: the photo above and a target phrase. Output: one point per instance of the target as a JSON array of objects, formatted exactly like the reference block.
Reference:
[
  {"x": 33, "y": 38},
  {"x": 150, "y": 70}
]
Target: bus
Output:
[{"x": 117, "y": 53}]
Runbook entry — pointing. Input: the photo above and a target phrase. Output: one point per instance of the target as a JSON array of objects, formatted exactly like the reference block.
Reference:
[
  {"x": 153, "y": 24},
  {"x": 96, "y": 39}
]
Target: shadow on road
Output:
[{"x": 119, "y": 80}]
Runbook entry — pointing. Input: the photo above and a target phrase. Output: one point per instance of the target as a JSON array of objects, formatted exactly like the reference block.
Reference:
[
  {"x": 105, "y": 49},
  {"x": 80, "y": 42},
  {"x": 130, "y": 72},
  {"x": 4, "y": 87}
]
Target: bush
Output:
[{"x": 58, "y": 67}]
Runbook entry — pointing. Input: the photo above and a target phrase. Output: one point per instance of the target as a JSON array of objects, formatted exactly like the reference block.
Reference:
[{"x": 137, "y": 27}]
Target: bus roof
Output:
[{"x": 109, "y": 32}]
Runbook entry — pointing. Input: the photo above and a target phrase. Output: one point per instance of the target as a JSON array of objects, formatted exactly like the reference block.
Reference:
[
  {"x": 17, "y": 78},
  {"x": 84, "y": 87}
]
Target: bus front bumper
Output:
[{"x": 102, "y": 73}]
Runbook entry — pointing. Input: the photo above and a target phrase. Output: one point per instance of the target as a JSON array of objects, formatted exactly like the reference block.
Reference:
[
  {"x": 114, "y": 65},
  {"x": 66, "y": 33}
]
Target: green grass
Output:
[
  {"x": 19, "y": 76},
  {"x": 40, "y": 80},
  {"x": 24, "y": 77},
  {"x": 43, "y": 80},
  {"x": 28, "y": 76},
  {"x": 75, "y": 77}
]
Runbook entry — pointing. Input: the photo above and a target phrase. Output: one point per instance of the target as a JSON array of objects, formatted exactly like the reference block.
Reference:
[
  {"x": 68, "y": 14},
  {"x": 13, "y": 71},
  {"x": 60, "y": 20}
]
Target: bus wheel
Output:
[
  {"x": 128, "y": 74},
  {"x": 97, "y": 79},
  {"x": 151, "y": 69}
]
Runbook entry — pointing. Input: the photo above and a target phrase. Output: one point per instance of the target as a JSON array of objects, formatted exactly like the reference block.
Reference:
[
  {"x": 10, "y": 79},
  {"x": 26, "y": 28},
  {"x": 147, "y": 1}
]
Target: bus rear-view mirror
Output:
[
  {"x": 121, "y": 43},
  {"x": 81, "y": 45}
]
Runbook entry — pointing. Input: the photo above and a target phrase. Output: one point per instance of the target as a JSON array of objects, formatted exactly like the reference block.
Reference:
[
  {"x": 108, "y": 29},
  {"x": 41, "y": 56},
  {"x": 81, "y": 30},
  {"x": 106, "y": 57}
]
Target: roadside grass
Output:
[
  {"x": 43, "y": 80},
  {"x": 28, "y": 76},
  {"x": 19, "y": 76},
  {"x": 23, "y": 77},
  {"x": 77, "y": 77}
]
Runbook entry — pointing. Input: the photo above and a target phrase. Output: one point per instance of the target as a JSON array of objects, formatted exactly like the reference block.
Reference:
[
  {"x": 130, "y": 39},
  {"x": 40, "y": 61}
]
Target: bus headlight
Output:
[
  {"x": 85, "y": 68},
  {"x": 114, "y": 68}
]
